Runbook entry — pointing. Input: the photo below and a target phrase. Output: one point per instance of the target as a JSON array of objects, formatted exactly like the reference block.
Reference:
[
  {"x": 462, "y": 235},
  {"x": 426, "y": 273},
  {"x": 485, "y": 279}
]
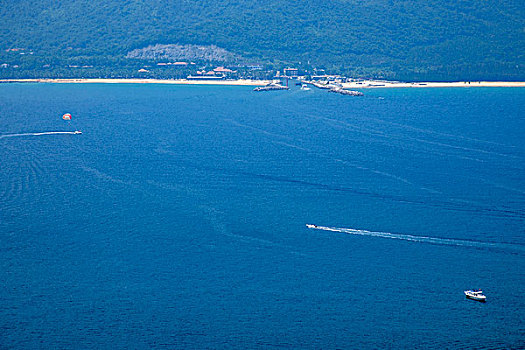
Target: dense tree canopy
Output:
[{"x": 396, "y": 39}]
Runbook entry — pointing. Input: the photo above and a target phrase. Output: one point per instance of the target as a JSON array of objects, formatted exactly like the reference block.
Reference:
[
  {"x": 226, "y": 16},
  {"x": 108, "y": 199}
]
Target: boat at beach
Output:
[{"x": 475, "y": 295}]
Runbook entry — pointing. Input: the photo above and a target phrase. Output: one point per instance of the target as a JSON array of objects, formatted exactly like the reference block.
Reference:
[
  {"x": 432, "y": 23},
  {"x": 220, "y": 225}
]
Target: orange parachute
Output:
[{"x": 66, "y": 116}]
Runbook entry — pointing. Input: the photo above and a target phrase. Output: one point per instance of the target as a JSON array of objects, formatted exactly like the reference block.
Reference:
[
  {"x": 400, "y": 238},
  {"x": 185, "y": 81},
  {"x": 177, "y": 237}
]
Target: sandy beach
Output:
[
  {"x": 242, "y": 82},
  {"x": 394, "y": 84},
  {"x": 245, "y": 82}
]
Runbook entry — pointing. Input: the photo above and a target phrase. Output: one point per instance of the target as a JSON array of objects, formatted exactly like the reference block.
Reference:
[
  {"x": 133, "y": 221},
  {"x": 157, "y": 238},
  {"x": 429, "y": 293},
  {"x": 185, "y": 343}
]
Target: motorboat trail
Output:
[
  {"x": 422, "y": 239},
  {"x": 77, "y": 132}
]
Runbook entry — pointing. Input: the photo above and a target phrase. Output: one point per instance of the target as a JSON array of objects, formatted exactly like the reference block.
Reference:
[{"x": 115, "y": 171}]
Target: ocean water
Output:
[{"x": 177, "y": 219}]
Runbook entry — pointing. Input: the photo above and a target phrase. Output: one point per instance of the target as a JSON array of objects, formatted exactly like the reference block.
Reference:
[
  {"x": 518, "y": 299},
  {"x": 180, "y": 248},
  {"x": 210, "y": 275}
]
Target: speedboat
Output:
[
  {"x": 475, "y": 295},
  {"x": 305, "y": 87},
  {"x": 311, "y": 226},
  {"x": 77, "y": 132}
]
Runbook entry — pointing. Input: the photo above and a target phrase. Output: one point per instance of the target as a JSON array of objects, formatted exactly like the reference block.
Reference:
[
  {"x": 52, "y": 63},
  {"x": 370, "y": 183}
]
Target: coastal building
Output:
[
  {"x": 205, "y": 77},
  {"x": 205, "y": 73},
  {"x": 291, "y": 72},
  {"x": 328, "y": 77},
  {"x": 223, "y": 70},
  {"x": 177, "y": 64}
]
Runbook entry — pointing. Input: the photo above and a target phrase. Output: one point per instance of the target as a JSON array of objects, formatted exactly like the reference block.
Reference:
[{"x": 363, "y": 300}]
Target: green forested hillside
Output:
[{"x": 395, "y": 39}]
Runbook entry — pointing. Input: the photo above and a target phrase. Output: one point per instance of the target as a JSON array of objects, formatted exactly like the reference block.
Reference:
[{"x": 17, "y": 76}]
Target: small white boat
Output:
[
  {"x": 305, "y": 87},
  {"x": 311, "y": 226},
  {"x": 77, "y": 132},
  {"x": 475, "y": 295}
]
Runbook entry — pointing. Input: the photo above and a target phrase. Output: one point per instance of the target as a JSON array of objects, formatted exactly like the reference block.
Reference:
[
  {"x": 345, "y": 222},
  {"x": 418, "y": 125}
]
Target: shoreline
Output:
[
  {"x": 372, "y": 84},
  {"x": 365, "y": 84},
  {"x": 238, "y": 82}
]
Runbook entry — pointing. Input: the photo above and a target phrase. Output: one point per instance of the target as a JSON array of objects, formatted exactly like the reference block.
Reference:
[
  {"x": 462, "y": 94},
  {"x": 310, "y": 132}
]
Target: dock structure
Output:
[
  {"x": 321, "y": 86},
  {"x": 346, "y": 92},
  {"x": 271, "y": 87},
  {"x": 334, "y": 87}
]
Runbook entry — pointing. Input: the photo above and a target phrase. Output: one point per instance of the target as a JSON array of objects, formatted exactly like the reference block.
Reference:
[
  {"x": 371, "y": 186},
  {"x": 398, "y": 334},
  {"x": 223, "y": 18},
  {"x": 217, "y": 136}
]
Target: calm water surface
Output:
[{"x": 177, "y": 219}]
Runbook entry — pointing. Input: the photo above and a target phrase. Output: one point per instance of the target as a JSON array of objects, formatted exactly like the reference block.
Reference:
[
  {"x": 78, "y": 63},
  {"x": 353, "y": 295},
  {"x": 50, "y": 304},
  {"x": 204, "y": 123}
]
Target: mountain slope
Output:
[{"x": 421, "y": 39}]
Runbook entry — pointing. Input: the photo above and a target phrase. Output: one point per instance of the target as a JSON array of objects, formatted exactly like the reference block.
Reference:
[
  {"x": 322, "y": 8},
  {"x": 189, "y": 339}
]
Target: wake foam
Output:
[
  {"x": 422, "y": 239},
  {"x": 39, "y": 134}
]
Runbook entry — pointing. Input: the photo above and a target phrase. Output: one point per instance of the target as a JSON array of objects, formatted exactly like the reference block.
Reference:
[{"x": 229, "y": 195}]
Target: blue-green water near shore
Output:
[{"x": 177, "y": 219}]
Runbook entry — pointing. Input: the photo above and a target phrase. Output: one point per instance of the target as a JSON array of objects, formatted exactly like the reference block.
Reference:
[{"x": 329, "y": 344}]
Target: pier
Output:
[
  {"x": 271, "y": 87},
  {"x": 346, "y": 92}
]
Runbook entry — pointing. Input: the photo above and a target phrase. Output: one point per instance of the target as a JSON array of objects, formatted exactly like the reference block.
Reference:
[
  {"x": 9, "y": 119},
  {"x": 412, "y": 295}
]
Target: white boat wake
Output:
[
  {"x": 422, "y": 239},
  {"x": 41, "y": 133}
]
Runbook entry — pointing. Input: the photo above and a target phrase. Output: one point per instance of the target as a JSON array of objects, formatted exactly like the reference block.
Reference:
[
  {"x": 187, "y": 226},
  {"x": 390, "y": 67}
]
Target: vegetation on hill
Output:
[{"x": 394, "y": 39}]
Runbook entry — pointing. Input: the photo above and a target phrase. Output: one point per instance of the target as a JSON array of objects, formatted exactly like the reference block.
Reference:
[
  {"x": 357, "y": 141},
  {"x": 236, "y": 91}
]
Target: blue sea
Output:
[{"x": 177, "y": 219}]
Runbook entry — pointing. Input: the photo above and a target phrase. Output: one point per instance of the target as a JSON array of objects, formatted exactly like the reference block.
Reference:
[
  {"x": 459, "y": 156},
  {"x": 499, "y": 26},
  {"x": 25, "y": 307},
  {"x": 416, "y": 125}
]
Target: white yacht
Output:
[{"x": 475, "y": 295}]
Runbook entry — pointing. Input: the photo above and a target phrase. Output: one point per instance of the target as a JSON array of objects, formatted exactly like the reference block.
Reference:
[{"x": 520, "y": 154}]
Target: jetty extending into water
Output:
[
  {"x": 346, "y": 92},
  {"x": 333, "y": 87},
  {"x": 271, "y": 87},
  {"x": 322, "y": 86}
]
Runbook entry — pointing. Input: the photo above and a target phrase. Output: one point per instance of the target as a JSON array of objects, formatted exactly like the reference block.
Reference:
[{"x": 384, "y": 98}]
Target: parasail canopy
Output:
[{"x": 66, "y": 116}]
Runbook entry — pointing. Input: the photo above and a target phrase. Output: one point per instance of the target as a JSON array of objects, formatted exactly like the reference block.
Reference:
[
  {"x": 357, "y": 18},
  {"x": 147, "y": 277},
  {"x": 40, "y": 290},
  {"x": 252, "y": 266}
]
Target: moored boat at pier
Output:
[{"x": 305, "y": 87}]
